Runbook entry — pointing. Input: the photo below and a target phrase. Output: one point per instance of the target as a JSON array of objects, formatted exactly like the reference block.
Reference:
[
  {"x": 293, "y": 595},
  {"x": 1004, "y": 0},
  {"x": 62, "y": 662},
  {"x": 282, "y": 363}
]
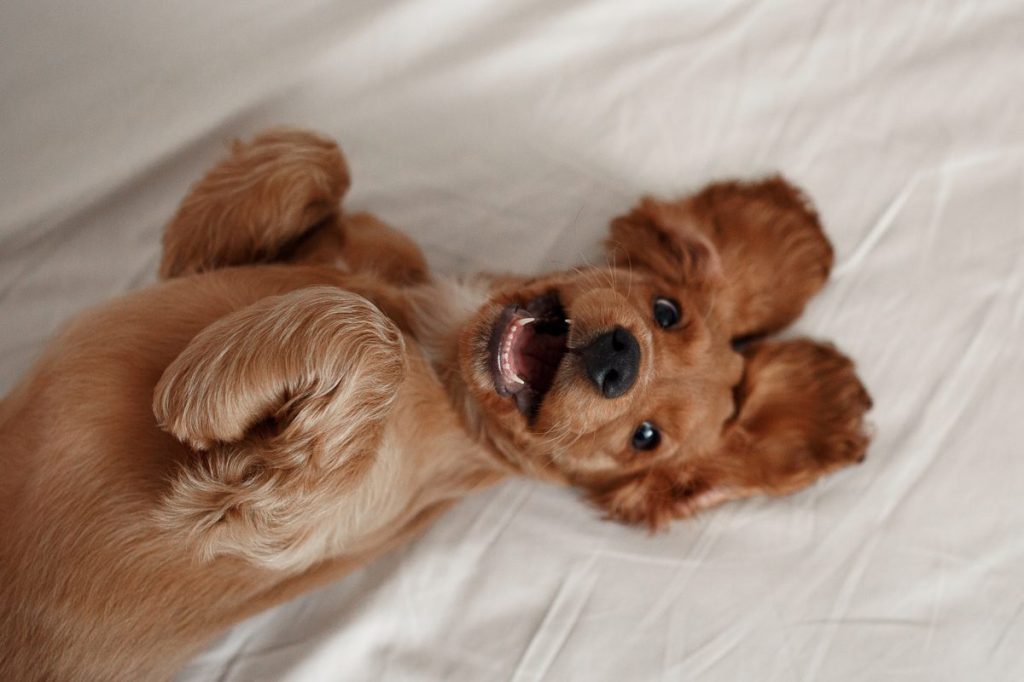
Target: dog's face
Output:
[
  {"x": 600, "y": 371},
  {"x": 623, "y": 380}
]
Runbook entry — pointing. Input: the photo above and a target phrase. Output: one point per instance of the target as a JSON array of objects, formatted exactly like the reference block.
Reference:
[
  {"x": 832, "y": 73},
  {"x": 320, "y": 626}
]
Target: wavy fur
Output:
[{"x": 301, "y": 394}]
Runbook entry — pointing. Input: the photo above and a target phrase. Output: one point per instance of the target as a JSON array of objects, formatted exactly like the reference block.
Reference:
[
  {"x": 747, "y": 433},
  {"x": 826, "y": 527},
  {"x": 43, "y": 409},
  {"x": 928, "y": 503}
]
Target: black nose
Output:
[{"x": 612, "y": 361}]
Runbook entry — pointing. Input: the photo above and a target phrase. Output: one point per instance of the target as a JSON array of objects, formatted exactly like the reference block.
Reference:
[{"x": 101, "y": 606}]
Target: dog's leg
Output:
[
  {"x": 277, "y": 198},
  {"x": 283, "y": 403},
  {"x": 372, "y": 246},
  {"x": 800, "y": 416},
  {"x": 769, "y": 251},
  {"x": 257, "y": 205}
]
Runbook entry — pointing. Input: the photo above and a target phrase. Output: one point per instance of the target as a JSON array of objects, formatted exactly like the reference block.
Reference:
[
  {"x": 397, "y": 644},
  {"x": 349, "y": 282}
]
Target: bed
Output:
[{"x": 504, "y": 136}]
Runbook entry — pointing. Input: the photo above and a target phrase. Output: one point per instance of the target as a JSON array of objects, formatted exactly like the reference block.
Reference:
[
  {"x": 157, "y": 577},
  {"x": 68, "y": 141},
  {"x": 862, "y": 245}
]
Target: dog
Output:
[{"x": 300, "y": 394}]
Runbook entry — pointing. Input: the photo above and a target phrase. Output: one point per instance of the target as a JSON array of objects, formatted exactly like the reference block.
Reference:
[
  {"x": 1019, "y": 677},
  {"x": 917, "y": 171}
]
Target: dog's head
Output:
[{"x": 623, "y": 380}]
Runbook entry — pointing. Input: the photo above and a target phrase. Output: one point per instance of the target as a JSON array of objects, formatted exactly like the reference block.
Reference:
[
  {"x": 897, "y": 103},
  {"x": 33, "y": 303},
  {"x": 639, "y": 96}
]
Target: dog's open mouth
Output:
[{"x": 526, "y": 348}]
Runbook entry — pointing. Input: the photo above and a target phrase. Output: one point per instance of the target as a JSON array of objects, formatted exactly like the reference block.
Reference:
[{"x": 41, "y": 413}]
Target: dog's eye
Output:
[
  {"x": 646, "y": 437},
  {"x": 666, "y": 312}
]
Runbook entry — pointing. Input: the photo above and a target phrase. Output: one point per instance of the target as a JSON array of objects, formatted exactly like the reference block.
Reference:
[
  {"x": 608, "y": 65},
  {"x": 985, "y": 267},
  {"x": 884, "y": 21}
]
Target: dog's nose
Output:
[{"x": 612, "y": 361}]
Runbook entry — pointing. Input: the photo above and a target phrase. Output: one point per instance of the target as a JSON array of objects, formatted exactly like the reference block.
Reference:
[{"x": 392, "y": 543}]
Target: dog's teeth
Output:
[
  {"x": 518, "y": 379},
  {"x": 568, "y": 321},
  {"x": 527, "y": 320}
]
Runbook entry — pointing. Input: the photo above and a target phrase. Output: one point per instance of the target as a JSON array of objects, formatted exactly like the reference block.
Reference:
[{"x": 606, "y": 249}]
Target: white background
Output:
[{"x": 504, "y": 135}]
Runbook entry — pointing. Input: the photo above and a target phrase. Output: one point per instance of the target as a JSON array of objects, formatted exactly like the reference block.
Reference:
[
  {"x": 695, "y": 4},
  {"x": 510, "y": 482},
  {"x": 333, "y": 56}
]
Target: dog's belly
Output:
[{"x": 425, "y": 458}]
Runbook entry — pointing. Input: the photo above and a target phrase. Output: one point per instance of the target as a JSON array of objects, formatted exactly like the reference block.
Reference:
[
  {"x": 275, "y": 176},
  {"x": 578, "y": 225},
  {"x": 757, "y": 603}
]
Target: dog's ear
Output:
[
  {"x": 801, "y": 415},
  {"x": 644, "y": 238},
  {"x": 282, "y": 403},
  {"x": 767, "y": 242}
]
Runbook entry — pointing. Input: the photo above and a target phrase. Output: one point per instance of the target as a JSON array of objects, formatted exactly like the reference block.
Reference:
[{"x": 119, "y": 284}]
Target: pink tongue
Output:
[{"x": 536, "y": 356}]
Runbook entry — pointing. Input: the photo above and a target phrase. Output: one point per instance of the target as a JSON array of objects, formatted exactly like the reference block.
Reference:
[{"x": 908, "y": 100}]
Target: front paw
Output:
[{"x": 801, "y": 414}]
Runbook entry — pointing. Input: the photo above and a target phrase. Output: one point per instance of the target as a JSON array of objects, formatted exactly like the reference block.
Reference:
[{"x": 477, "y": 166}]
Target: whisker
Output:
[{"x": 629, "y": 269}]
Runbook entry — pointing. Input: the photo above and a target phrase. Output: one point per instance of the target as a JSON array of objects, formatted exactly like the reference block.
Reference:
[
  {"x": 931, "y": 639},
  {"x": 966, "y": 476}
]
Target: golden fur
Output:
[{"x": 300, "y": 395}]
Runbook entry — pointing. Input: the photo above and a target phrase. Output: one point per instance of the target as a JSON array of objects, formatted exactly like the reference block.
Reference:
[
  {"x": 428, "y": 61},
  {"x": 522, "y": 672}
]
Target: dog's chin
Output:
[{"x": 528, "y": 342}]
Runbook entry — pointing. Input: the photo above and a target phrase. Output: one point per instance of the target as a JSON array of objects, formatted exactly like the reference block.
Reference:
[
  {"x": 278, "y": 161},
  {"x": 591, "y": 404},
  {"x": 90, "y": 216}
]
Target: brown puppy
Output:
[{"x": 195, "y": 452}]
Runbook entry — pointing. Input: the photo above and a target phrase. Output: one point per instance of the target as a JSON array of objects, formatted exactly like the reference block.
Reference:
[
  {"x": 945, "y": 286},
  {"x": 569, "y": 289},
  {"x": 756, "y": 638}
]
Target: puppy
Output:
[{"x": 299, "y": 394}]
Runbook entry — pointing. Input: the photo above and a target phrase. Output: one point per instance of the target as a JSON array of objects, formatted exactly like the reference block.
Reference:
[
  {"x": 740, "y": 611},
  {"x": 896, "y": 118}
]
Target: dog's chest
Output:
[{"x": 425, "y": 457}]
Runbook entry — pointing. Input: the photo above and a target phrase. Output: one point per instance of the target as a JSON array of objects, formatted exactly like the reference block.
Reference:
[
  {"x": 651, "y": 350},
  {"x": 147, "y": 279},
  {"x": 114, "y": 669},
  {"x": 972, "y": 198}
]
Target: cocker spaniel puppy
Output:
[{"x": 300, "y": 394}]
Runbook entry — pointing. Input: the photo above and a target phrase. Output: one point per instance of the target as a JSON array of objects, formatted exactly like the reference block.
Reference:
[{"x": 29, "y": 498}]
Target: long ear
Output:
[
  {"x": 801, "y": 416},
  {"x": 257, "y": 204},
  {"x": 641, "y": 239},
  {"x": 273, "y": 398},
  {"x": 768, "y": 240}
]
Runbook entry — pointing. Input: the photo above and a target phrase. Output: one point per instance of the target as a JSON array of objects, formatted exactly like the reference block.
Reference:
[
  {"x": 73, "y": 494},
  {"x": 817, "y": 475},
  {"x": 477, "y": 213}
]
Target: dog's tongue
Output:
[{"x": 535, "y": 356}]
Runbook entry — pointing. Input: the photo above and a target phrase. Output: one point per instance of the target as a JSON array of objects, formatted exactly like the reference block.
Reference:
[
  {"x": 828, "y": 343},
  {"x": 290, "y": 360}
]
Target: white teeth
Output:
[
  {"x": 506, "y": 365},
  {"x": 505, "y": 352},
  {"x": 568, "y": 321}
]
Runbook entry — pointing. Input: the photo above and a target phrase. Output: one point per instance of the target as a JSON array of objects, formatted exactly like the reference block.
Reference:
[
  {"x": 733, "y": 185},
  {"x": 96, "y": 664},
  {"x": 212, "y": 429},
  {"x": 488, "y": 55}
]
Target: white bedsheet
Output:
[{"x": 504, "y": 135}]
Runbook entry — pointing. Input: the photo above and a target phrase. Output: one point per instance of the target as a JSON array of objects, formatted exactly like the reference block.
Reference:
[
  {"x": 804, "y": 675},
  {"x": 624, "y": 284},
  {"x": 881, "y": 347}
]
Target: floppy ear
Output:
[
  {"x": 282, "y": 403},
  {"x": 767, "y": 241},
  {"x": 641, "y": 239},
  {"x": 801, "y": 415}
]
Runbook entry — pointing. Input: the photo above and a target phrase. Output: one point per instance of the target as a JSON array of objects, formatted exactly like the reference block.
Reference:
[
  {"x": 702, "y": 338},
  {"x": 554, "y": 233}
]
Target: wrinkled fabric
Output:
[{"x": 504, "y": 136}]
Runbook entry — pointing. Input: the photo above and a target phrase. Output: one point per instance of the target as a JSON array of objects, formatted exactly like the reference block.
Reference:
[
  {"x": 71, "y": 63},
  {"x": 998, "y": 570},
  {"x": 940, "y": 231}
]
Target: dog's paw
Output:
[
  {"x": 257, "y": 203},
  {"x": 314, "y": 364}
]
